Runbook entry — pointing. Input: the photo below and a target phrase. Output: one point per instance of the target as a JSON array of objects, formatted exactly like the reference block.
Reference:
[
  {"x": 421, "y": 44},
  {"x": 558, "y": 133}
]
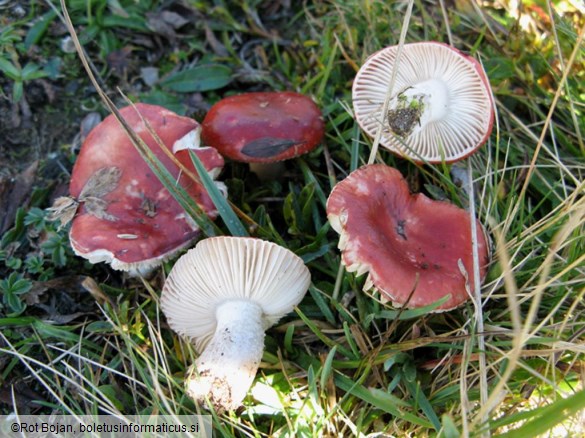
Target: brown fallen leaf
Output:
[
  {"x": 14, "y": 193},
  {"x": 157, "y": 24},
  {"x": 99, "y": 185},
  {"x": 20, "y": 396},
  {"x": 62, "y": 210},
  {"x": 70, "y": 284},
  {"x": 120, "y": 61},
  {"x": 90, "y": 285}
]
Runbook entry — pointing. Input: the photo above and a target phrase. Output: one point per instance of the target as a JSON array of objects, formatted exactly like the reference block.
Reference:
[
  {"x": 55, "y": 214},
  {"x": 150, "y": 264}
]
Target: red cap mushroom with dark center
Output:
[
  {"x": 405, "y": 242},
  {"x": 263, "y": 127},
  {"x": 126, "y": 216}
]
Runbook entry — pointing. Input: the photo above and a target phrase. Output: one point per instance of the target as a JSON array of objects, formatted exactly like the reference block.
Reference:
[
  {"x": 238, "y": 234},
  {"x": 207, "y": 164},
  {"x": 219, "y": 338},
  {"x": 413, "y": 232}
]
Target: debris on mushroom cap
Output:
[
  {"x": 263, "y": 127},
  {"x": 404, "y": 242},
  {"x": 125, "y": 216},
  {"x": 222, "y": 295},
  {"x": 441, "y": 105}
]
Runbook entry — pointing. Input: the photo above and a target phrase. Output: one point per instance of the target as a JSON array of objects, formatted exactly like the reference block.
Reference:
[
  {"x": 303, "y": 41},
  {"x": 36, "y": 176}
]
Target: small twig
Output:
[
  {"x": 446, "y": 20},
  {"x": 330, "y": 170},
  {"x": 479, "y": 327}
]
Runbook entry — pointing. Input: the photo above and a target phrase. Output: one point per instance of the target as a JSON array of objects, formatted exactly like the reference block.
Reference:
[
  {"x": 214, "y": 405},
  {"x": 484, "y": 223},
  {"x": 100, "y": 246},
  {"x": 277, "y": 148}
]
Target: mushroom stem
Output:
[
  {"x": 432, "y": 96},
  {"x": 268, "y": 171},
  {"x": 226, "y": 368},
  {"x": 418, "y": 105}
]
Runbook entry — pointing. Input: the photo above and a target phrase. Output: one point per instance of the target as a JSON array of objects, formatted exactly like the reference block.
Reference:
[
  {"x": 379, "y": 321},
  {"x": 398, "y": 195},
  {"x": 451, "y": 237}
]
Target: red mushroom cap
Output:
[
  {"x": 397, "y": 237},
  {"x": 263, "y": 127},
  {"x": 137, "y": 223}
]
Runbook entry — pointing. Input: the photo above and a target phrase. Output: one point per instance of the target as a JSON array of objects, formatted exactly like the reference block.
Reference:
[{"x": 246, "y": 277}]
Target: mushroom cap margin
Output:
[
  {"x": 421, "y": 237},
  {"x": 226, "y": 268}
]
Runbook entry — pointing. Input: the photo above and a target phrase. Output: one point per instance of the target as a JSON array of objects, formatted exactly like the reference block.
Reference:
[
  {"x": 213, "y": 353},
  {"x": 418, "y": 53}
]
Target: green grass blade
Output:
[
  {"x": 423, "y": 402},
  {"x": 327, "y": 368},
  {"x": 179, "y": 193},
  {"x": 355, "y": 149},
  {"x": 311, "y": 178},
  {"x": 330, "y": 343},
  {"x": 230, "y": 219},
  {"x": 404, "y": 314},
  {"x": 380, "y": 399},
  {"x": 322, "y": 304},
  {"x": 547, "y": 417}
]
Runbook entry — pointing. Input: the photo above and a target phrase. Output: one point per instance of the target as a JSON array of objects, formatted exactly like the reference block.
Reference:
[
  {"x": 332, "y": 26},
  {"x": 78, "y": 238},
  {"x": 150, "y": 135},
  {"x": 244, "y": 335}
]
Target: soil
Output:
[{"x": 36, "y": 141}]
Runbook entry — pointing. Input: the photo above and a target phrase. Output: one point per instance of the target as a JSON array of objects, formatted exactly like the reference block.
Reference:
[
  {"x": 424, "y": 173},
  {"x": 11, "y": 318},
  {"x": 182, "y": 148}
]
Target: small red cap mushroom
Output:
[
  {"x": 263, "y": 127},
  {"x": 405, "y": 242},
  {"x": 126, "y": 216}
]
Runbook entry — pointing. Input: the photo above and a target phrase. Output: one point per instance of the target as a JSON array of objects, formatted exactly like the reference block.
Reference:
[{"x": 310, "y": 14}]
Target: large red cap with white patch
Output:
[
  {"x": 126, "y": 217},
  {"x": 263, "y": 127},
  {"x": 404, "y": 242}
]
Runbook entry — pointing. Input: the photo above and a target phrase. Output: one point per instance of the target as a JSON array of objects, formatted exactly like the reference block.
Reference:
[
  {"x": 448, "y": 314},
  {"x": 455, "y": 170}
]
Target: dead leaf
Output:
[
  {"x": 97, "y": 207},
  {"x": 149, "y": 75},
  {"x": 158, "y": 25},
  {"x": 119, "y": 61},
  {"x": 20, "y": 396},
  {"x": 267, "y": 147},
  {"x": 62, "y": 210},
  {"x": 90, "y": 285},
  {"x": 63, "y": 319},
  {"x": 101, "y": 183},
  {"x": 97, "y": 186},
  {"x": 90, "y": 121},
  {"x": 173, "y": 19},
  {"x": 217, "y": 47},
  {"x": 68, "y": 283},
  {"x": 14, "y": 193}
]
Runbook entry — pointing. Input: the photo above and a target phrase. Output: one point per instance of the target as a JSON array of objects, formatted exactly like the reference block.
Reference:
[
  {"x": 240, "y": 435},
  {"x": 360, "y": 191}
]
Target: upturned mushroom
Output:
[
  {"x": 263, "y": 128},
  {"x": 121, "y": 213},
  {"x": 415, "y": 250},
  {"x": 440, "y": 106},
  {"x": 222, "y": 295}
]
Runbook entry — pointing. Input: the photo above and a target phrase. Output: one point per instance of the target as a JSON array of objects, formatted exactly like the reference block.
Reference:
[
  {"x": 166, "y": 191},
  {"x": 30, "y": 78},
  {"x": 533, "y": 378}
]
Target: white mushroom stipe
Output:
[
  {"x": 429, "y": 99},
  {"x": 226, "y": 368},
  {"x": 222, "y": 295}
]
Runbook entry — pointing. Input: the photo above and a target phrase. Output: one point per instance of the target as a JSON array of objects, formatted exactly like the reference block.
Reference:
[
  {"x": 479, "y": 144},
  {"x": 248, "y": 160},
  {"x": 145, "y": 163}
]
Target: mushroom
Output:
[
  {"x": 441, "y": 106},
  {"x": 123, "y": 215},
  {"x": 263, "y": 128},
  {"x": 415, "y": 250},
  {"x": 222, "y": 295}
]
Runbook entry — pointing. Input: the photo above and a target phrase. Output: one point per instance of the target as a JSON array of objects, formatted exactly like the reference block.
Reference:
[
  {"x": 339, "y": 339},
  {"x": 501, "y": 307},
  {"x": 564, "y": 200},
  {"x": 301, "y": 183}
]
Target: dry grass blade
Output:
[
  {"x": 561, "y": 86},
  {"x": 395, "y": 67},
  {"x": 347, "y": 364}
]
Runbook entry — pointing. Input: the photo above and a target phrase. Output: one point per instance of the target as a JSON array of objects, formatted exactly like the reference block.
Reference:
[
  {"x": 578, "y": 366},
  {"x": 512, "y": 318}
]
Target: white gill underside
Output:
[
  {"x": 456, "y": 102},
  {"x": 219, "y": 269},
  {"x": 192, "y": 140}
]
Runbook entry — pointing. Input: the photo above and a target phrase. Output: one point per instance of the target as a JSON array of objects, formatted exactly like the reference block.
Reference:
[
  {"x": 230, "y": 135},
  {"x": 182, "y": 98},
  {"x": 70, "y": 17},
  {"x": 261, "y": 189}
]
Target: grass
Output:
[{"x": 83, "y": 339}]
